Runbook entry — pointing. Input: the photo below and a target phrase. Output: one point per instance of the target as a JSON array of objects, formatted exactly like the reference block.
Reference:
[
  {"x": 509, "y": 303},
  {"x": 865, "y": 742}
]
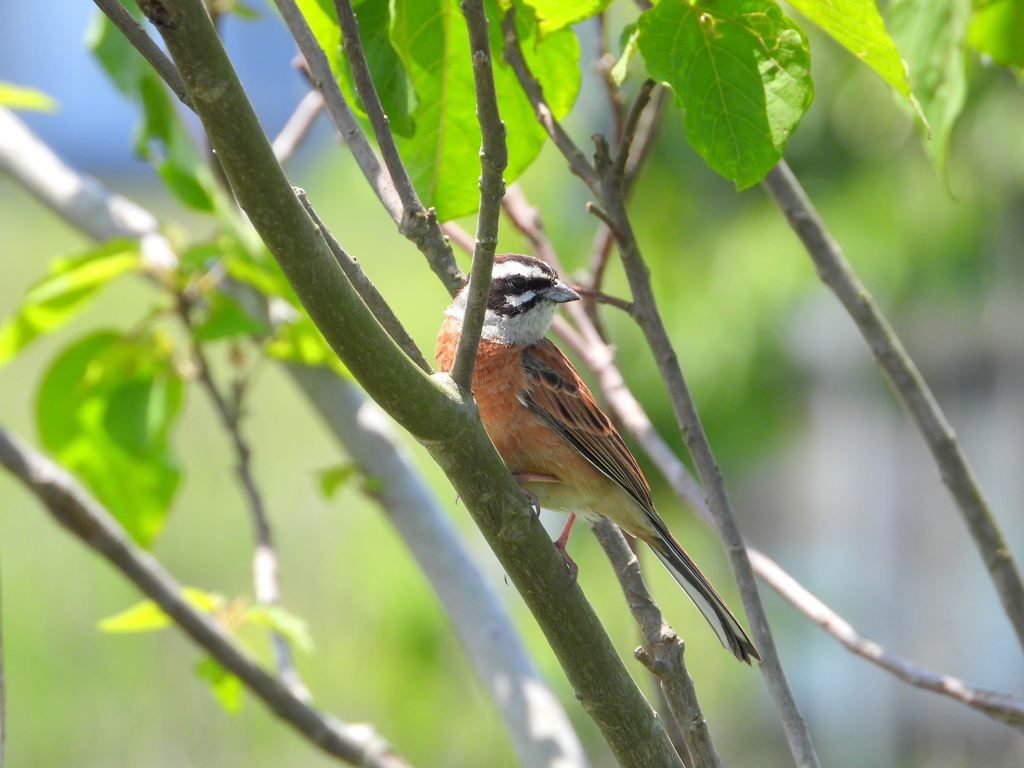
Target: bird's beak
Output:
[{"x": 561, "y": 293}]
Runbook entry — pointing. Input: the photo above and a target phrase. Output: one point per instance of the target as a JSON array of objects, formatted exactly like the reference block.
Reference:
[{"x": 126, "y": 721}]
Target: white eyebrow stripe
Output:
[{"x": 512, "y": 267}]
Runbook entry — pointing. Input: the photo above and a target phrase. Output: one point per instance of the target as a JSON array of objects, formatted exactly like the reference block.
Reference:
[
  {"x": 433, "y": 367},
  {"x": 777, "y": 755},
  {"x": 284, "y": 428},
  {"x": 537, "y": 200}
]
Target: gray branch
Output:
[
  {"x": 493, "y": 159},
  {"x": 79, "y": 513},
  {"x": 663, "y": 654},
  {"x": 298, "y": 126},
  {"x": 598, "y": 358},
  {"x": 607, "y": 186},
  {"x": 538, "y": 726},
  {"x": 913, "y": 392},
  {"x": 419, "y": 225},
  {"x": 136, "y": 34}
]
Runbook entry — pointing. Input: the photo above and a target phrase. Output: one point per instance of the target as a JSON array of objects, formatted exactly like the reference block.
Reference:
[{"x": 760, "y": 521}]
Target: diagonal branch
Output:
[
  {"x": 144, "y": 44},
  {"x": 298, "y": 126},
  {"x": 493, "y": 159},
  {"x": 663, "y": 654},
  {"x": 608, "y": 188},
  {"x": 73, "y": 508},
  {"x": 476, "y": 612},
  {"x": 432, "y": 408},
  {"x": 913, "y": 392}
]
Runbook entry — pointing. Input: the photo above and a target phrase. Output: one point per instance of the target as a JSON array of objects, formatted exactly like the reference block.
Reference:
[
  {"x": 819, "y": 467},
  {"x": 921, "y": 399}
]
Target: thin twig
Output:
[
  {"x": 479, "y": 616},
  {"x": 144, "y": 44},
  {"x": 598, "y": 358},
  {"x": 374, "y": 111},
  {"x": 419, "y": 225},
  {"x": 630, "y": 126},
  {"x": 264, "y": 559},
  {"x": 72, "y": 507},
  {"x": 603, "y": 184},
  {"x": 913, "y": 392},
  {"x": 298, "y": 126},
  {"x": 366, "y": 289},
  {"x": 604, "y": 298},
  {"x": 1000, "y": 706},
  {"x": 663, "y": 654},
  {"x": 493, "y": 159},
  {"x": 603, "y": 64}
]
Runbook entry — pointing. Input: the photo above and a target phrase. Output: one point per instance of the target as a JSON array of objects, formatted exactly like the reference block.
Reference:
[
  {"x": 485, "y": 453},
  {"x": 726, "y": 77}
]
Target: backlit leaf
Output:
[
  {"x": 224, "y": 686},
  {"x": 334, "y": 477},
  {"x": 21, "y": 97},
  {"x": 443, "y": 155},
  {"x": 221, "y": 317},
  {"x": 997, "y": 29},
  {"x": 740, "y": 69},
  {"x": 930, "y": 34},
  {"x": 71, "y": 282},
  {"x": 857, "y": 26},
  {"x": 105, "y": 408},
  {"x": 294, "y": 628},
  {"x": 554, "y": 15},
  {"x": 145, "y": 616}
]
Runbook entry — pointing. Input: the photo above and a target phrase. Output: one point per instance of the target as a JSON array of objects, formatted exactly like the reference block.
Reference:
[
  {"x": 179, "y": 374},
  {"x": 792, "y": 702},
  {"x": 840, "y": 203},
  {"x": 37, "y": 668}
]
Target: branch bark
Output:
[
  {"x": 73, "y": 508},
  {"x": 606, "y": 185},
  {"x": 663, "y": 654},
  {"x": 431, "y": 408},
  {"x": 910, "y": 387},
  {"x": 541, "y": 732},
  {"x": 298, "y": 126},
  {"x": 493, "y": 159}
]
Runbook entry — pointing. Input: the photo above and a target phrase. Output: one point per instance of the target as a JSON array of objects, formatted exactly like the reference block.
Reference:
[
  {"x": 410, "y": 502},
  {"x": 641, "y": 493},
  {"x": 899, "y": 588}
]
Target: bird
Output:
[{"x": 552, "y": 435}]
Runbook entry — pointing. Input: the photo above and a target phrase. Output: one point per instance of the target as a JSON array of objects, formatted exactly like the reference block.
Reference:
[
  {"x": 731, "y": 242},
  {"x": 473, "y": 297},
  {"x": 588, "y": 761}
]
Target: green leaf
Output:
[
  {"x": 224, "y": 318},
  {"x": 300, "y": 341},
  {"x": 554, "y": 15},
  {"x": 997, "y": 29},
  {"x": 741, "y": 70},
  {"x": 334, "y": 477},
  {"x": 159, "y": 135},
  {"x": 294, "y": 628},
  {"x": 443, "y": 155},
  {"x": 930, "y": 33},
  {"x": 389, "y": 77},
  {"x": 105, "y": 409},
  {"x": 71, "y": 282},
  {"x": 146, "y": 615},
  {"x": 21, "y": 97},
  {"x": 224, "y": 686},
  {"x": 628, "y": 44},
  {"x": 857, "y": 26}
]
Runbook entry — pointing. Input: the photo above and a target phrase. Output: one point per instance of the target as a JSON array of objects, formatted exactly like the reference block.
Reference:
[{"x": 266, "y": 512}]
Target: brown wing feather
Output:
[{"x": 555, "y": 392}]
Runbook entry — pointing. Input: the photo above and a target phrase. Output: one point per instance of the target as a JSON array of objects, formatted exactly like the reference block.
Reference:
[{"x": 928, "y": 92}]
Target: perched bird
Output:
[{"x": 551, "y": 433}]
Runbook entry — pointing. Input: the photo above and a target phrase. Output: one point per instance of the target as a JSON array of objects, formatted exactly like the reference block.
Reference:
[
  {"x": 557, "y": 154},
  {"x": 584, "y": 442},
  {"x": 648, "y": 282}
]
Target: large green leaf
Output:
[
  {"x": 443, "y": 155},
  {"x": 857, "y": 25},
  {"x": 554, "y": 15},
  {"x": 930, "y": 33},
  {"x": 159, "y": 136},
  {"x": 740, "y": 69},
  {"x": 105, "y": 409},
  {"x": 389, "y": 78},
  {"x": 21, "y": 97},
  {"x": 70, "y": 283},
  {"x": 997, "y": 30}
]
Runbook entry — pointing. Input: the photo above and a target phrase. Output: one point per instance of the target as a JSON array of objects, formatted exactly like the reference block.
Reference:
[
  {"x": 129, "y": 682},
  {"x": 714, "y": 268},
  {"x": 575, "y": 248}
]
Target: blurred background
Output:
[{"x": 827, "y": 475}]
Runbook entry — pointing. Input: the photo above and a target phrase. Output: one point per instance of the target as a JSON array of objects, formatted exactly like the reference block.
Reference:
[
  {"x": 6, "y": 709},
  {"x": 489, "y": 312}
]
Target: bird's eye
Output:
[{"x": 518, "y": 283}]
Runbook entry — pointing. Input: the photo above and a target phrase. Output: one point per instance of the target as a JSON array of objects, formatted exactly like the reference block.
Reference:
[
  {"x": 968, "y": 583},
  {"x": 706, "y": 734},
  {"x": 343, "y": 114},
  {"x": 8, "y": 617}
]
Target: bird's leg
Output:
[
  {"x": 533, "y": 477},
  {"x": 560, "y": 543}
]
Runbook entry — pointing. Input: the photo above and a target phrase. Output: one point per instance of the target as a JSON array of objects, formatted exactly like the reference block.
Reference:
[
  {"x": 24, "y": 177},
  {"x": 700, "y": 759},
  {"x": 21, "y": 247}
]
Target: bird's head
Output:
[{"x": 521, "y": 304}]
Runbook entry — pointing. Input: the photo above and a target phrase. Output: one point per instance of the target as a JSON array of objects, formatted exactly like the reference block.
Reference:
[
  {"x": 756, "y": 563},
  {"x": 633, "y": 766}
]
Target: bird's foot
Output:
[
  {"x": 533, "y": 477},
  {"x": 574, "y": 570}
]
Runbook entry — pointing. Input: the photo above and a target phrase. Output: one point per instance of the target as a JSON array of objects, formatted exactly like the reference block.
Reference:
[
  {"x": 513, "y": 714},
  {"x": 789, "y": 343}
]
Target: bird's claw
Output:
[{"x": 574, "y": 570}]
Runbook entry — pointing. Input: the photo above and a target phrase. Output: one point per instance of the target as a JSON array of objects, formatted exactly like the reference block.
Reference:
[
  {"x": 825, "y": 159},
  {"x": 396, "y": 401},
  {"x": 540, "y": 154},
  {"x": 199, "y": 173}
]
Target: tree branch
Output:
[
  {"x": 598, "y": 358},
  {"x": 477, "y": 613},
  {"x": 298, "y": 126},
  {"x": 493, "y": 159},
  {"x": 431, "y": 408},
  {"x": 366, "y": 289},
  {"x": 663, "y": 654},
  {"x": 144, "y": 44},
  {"x": 417, "y": 224},
  {"x": 913, "y": 392},
  {"x": 603, "y": 184},
  {"x": 73, "y": 508},
  {"x": 629, "y": 127}
]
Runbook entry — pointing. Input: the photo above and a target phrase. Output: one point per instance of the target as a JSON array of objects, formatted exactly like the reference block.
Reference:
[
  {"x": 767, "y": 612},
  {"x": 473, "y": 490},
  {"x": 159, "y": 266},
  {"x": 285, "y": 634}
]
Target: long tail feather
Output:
[{"x": 704, "y": 596}]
